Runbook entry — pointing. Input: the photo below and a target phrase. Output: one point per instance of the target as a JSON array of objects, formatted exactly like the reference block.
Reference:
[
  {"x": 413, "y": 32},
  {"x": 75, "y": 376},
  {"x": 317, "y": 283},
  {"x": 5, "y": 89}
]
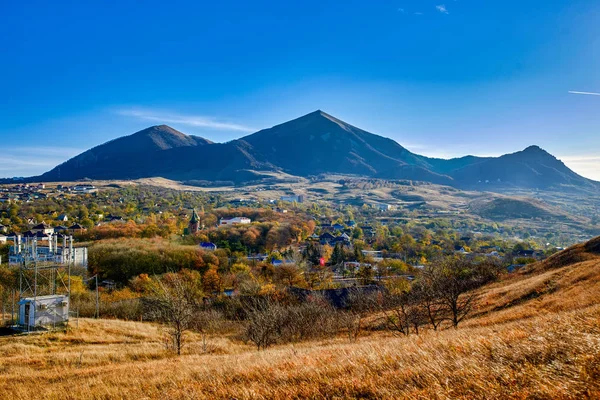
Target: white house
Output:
[
  {"x": 43, "y": 311},
  {"x": 43, "y": 228},
  {"x": 234, "y": 221},
  {"x": 384, "y": 207}
]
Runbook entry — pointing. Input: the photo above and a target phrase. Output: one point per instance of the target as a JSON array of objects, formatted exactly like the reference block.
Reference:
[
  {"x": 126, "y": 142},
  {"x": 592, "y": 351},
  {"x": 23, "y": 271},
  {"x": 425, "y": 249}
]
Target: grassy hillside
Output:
[
  {"x": 536, "y": 334},
  {"x": 503, "y": 208}
]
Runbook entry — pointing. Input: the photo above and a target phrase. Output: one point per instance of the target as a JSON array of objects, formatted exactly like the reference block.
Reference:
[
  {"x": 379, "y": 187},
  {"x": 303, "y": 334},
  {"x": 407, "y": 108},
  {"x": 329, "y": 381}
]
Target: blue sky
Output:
[{"x": 443, "y": 78}]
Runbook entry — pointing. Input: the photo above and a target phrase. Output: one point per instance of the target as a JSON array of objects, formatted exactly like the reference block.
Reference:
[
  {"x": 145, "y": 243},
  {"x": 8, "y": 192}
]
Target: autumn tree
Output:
[
  {"x": 288, "y": 275},
  {"x": 211, "y": 281}
]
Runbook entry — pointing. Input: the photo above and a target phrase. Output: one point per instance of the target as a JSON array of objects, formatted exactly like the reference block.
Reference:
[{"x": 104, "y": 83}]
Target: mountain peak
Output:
[
  {"x": 535, "y": 152},
  {"x": 316, "y": 114},
  {"x": 165, "y": 129},
  {"x": 161, "y": 137},
  {"x": 534, "y": 149},
  {"x": 320, "y": 116}
]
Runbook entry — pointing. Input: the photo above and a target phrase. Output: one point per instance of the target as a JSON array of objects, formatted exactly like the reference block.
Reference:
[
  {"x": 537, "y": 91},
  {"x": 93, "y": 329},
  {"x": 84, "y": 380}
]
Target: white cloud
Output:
[
  {"x": 190, "y": 120},
  {"x": 401, "y": 10},
  {"x": 442, "y": 8},
  {"x": 586, "y": 93},
  {"x": 418, "y": 13}
]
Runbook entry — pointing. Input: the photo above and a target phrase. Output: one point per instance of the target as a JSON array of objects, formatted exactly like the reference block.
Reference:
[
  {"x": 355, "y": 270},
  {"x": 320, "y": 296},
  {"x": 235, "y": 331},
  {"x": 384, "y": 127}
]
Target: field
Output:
[{"x": 535, "y": 334}]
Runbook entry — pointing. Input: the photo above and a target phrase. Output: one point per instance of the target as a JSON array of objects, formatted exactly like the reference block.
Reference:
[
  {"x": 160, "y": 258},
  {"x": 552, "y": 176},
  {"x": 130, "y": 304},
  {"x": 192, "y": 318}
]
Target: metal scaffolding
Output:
[{"x": 44, "y": 287}]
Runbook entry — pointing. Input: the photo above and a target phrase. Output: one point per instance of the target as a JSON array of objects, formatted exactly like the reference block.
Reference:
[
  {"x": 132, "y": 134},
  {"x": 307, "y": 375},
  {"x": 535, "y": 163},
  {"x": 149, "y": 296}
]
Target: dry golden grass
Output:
[
  {"x": 569, "y": 280},
  {"x": 554, "y": 356},
  {"x": 536, "y": 335}
]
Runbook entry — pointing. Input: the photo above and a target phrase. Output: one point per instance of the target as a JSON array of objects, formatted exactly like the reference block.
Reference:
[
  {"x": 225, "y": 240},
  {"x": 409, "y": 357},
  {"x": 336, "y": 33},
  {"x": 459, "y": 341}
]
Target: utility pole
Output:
[
  {"x": 97, "y": 299},
  {"x": 97, "y": 313}
]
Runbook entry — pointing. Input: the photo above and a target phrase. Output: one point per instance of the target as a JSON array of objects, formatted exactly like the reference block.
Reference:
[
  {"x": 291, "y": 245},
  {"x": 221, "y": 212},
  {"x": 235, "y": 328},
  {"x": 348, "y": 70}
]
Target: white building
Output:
[
  {"x": 43, "y": 228},
  {"x": 373, "y": 254},
  {"x": 43, "y": 311},
  {"x": 234, "y": 221},
  {"x": 298, "y": 198},
  {"x": 84, "y": 189}
]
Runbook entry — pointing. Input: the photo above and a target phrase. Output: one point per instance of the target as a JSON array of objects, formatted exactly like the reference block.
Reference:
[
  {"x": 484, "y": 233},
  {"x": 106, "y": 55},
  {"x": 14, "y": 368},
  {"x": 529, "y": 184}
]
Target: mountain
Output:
[
  {"x": 157, "y": 151},
  {"x": 318, "y": 143},
  {"x": 531, "y": 168},
  {"x": 314, "y": 144}
]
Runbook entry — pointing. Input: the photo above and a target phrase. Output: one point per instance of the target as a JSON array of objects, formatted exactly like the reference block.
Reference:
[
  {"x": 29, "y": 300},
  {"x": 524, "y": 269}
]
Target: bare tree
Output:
[
  {"x": 454, "y": 282},
  {"x": 207, "y": 322},
  {"x": 402, "y": 312},
  {"x": 173, "y": 300},
  {"x": 311, "y": 319},
  {"x": 424, "y": 290},
  {"x": 359, "y": 305},
  {"x": 265, "y": 321}
]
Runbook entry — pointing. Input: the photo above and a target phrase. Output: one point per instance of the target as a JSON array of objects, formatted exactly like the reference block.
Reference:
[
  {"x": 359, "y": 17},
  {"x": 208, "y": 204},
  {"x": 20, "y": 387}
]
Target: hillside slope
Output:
[
  {"x": 536, "y": 334},
  {"x": 501, "y": 208},
  {"x": 566, "y": 281}
]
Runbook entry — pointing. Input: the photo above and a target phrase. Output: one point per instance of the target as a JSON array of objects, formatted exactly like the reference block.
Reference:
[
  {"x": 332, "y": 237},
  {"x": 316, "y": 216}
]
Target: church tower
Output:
[{"x": 194, "y": 224}]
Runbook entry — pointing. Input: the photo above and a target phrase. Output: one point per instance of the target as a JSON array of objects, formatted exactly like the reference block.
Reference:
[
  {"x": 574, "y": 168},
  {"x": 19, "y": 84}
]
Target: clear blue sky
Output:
[{"x": 442, "y": 77}]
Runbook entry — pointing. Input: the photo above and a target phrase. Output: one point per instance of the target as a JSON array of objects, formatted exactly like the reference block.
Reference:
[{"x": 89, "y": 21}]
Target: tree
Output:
[
  {"x": 211, "y": 281},
  {"x": 265, "y": 319},
  {"x": 318, "y": 277},
  {"x": 359, "y": 304},
  {"x": 424, "y": 291},
  {"x": 357, "y": 233},
  {"x": 454, "y": 281},
  {"x": 402, "y": 312},
  {"x": 174, "y": 300},
  {"x": 338, "y": 256},
  {"x": 207, "y": 322},
  {"x": 365, "y": 274},
  {"x": 312, "y": 254},
  {"x": 288, "y": 275}
]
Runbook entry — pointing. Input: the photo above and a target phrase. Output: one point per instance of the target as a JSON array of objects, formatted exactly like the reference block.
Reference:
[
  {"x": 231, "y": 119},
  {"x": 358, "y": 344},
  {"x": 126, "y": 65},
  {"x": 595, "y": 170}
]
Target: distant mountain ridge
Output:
[{"x": 314, "y": 144}]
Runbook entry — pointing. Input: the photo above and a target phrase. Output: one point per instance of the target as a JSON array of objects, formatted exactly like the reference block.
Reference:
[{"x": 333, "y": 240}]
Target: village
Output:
[{"x": 240, "y": 246}]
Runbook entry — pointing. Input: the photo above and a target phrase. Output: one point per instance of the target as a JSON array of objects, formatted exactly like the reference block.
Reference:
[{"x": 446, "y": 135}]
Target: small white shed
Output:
[{"x": 43, "y": 311}]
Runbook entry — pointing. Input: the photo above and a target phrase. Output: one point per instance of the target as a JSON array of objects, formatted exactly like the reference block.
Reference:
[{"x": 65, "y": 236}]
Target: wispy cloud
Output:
[
  {"x": 442, "y": 8},
  {"x": 586, "y": 93},
  {"x": 401, "y": 10},
  {"x": 418, "y": 13},
  {"x": 190, "y": 120}
]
